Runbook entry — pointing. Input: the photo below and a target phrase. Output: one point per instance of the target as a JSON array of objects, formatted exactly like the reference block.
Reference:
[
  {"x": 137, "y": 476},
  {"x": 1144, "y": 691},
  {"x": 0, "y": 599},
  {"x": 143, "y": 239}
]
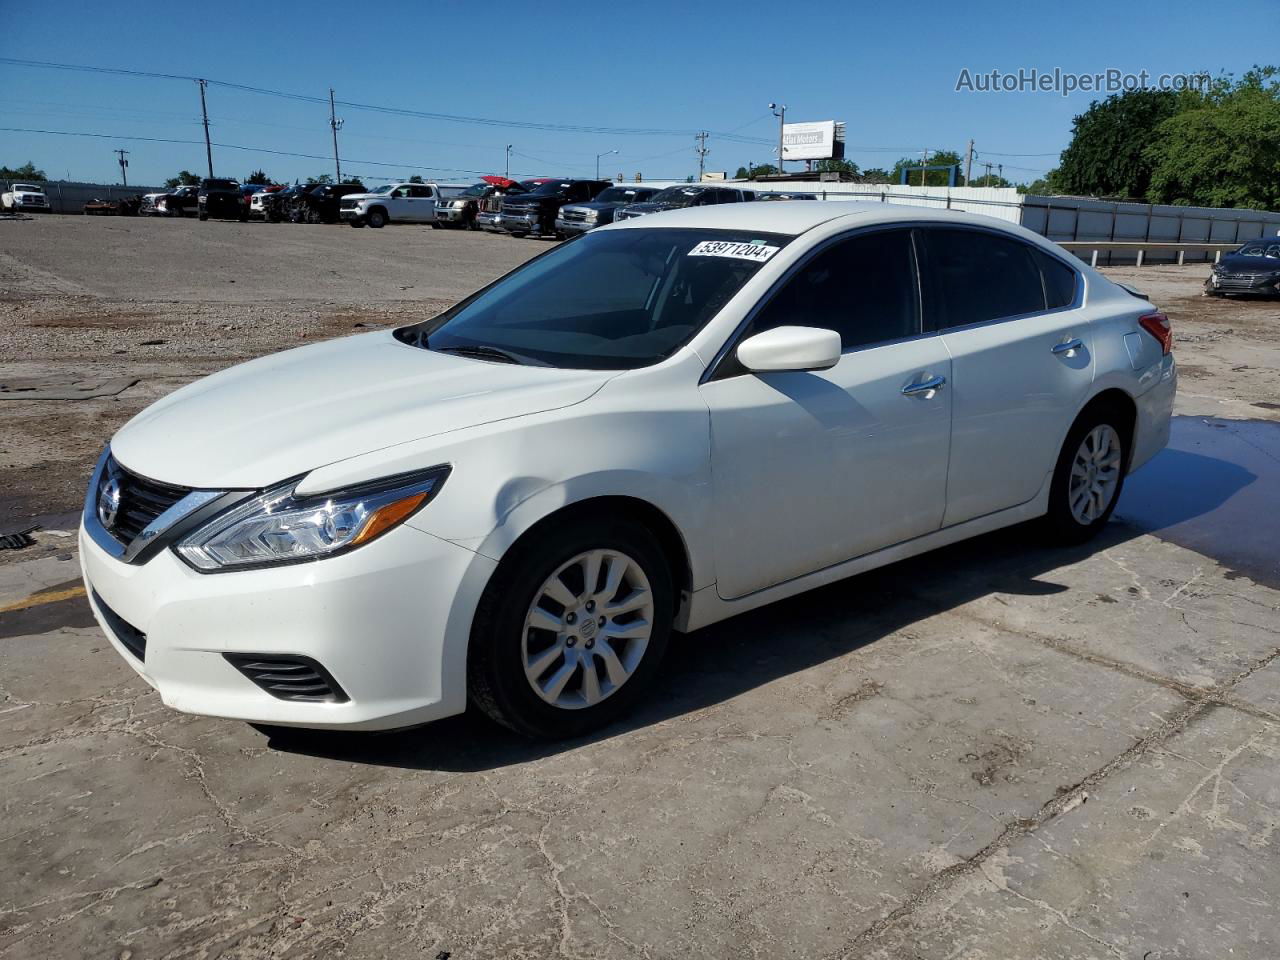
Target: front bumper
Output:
[
  {"x": 1263, "y": 286},
  {"x": 573, "y": 227},
  {"x": 389, "y": 622},
  {"x": 451, "y": 215},
  {"x": 489, "y": 220},
  {"x": 518, "y": 222},
  {"x": 347, "y": 214}
]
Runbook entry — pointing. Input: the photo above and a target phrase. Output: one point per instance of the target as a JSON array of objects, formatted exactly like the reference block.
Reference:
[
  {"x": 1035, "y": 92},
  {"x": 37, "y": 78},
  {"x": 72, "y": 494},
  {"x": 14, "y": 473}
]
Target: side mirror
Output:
[{"x": 790, "y": 348}]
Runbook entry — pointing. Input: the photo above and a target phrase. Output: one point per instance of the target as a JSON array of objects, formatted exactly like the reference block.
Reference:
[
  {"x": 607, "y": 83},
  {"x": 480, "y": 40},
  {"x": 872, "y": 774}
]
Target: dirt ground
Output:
[{"x": 998, "y": 750}]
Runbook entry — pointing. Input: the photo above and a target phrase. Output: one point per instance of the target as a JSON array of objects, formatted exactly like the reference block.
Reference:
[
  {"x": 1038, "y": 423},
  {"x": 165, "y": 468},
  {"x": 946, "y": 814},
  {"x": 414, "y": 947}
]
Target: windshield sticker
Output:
[{"x": 756, "y": 250}]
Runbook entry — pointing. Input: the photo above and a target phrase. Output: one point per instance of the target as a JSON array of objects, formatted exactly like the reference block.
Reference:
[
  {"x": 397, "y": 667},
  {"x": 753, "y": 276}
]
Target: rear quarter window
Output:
[{"x": 1059, "y": 281}]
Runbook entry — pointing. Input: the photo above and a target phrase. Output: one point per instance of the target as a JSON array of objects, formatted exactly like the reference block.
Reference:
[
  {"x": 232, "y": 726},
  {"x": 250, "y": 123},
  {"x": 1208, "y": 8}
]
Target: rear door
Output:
[
  {"x": 812, "y": 468},
  {"x": 1013, "y": 320}
]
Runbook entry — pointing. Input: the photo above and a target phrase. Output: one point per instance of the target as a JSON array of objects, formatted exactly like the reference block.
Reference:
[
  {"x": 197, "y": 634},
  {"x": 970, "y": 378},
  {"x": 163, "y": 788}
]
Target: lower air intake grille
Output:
[
  {"x": 130, "y": 637},
  {"x": 288, "y": 677}
]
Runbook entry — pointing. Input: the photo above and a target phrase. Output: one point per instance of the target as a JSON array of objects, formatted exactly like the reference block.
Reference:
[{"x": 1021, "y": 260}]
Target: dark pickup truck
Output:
[
  {"x": 534, "y": 213},
  {"x": 578, "y": 218},
  {"x": 687, "y": 195},
  {"x": 222, "y": 200},
  {"x": 321, "y": 204}
]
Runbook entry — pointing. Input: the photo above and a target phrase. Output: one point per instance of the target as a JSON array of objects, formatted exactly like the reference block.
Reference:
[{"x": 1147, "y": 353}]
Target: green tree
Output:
[
  {"x": 834, "y": 165},
  {"x": 933, "y": 178},
  {"x": 877, "y": 175},
  {"x": 320, "y": 180},
  {"x": 750, "y": 173},
  {"x": 990, "y": 180},
  {"x": 1046, "y": 186},
  {"x": 415, "y": 179},
  {"x": 27, "y": 171},
  {"x": 1107, "y": 154},
  {"x": 1223, "y": 151},
  {"x": 185, "y": 178},
  {"x": 258, "y": 177}
]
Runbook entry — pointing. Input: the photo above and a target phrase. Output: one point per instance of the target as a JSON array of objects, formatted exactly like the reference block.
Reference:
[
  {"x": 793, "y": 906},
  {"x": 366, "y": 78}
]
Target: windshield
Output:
[
  {"x": 677, "y": 196},
  {"x": 220, "y": 185},
  {"x": 385, "y": 188},
  {"x": 1260, "y": 250},
  {"x": 552, "y": 186},
  {"x": 613, "y": 300},
  {"x": 623, "y": 195},
  {"x": 476, "y": 190},
  {"x": 27, "y": 187}
]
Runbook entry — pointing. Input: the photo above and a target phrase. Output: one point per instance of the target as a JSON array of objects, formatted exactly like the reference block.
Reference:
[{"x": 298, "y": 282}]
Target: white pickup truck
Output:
[
  {"x": 24, "y": 196},
  {"x": 397, "y": 203}
]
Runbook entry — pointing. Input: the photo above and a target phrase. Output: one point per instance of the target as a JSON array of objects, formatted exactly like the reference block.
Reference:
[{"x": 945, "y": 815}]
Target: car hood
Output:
[
  {"x": 365, "y": 196},
  {"x": 264, "y": 421},
  {"x": 1233, "y": 263},
  {"x": 648, "y": 206}
]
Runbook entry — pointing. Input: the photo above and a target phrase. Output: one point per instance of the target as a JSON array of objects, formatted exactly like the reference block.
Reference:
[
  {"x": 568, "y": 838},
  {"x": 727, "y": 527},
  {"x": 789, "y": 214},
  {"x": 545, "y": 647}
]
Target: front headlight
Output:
[
  {"x": 277, "y": 527},
  {"x": 591, "y": 214}
]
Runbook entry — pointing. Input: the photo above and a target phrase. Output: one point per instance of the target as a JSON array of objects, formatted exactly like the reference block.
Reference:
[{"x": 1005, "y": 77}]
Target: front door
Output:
[{"x": 814, "y": 468}]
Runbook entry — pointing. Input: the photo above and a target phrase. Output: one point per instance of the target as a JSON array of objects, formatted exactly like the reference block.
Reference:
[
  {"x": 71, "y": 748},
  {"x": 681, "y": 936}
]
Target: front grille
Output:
[
  {"x": 578, "y": 216},
  {"x": 348, "y": 204},
  {"x": 130, "y": 637},
  {"x": 1238, "y": 281},
  {"x": 141, "y": 501},
  {"x": 288, "y": 677}
]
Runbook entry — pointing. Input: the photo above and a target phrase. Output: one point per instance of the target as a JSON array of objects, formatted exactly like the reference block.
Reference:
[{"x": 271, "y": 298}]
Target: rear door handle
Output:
[
  {"x": 924, "y": 386},
  {"x": 1069, "y": 347}
]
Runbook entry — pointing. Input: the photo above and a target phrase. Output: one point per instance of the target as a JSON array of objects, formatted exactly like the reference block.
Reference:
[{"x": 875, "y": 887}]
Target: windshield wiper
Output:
[{"x": 482, "y": 352}]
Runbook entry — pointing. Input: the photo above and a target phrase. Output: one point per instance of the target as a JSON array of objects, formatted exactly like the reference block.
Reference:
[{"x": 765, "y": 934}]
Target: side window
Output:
[
  {"x": 1059, "y": 281},
  {"x": 400, "y": 192},
  {"x": 978, "y": 276},
  {"x": 864, "y": 288},
  {"x": 421, "y": 192}
]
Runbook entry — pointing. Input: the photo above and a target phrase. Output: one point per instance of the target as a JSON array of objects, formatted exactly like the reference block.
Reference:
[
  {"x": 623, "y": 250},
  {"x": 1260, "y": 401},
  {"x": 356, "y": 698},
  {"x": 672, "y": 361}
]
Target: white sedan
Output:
[{"x": 658, "y": 425}]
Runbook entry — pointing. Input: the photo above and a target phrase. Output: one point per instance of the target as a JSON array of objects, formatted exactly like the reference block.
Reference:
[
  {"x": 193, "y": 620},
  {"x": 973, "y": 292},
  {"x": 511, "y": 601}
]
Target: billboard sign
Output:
[{"x": 812, "y": 141}]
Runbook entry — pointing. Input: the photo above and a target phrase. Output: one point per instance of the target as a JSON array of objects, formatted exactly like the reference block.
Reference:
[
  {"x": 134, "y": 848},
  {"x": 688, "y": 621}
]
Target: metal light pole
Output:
[
  {"x": 598, "y": 156},
  {"x": 509, "y": 161},
  {"x": 780, "y": 111}
]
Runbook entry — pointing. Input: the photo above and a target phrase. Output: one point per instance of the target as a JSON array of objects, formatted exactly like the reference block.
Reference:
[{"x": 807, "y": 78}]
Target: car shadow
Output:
[{"x": 729, "y": 658}]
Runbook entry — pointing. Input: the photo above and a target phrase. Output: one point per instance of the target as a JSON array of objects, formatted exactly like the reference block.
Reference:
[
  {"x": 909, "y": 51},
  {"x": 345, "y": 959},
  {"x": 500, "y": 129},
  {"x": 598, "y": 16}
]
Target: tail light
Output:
[{"x": 1157, "y": 324}]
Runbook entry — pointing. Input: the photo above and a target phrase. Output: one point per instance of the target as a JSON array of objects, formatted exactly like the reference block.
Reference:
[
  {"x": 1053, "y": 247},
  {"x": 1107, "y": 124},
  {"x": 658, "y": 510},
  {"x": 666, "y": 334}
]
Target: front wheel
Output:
[
  {"x": 1089, "y": 475},
  {"x": 571, "y": 629},
  {"x": 203, "y": 217},
  {"x": 377, "y": 219}
]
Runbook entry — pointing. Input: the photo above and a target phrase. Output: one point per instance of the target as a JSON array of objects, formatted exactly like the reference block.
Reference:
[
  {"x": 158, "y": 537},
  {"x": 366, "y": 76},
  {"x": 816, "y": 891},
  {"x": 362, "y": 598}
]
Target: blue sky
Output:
[{"x": 888, "y": 70}]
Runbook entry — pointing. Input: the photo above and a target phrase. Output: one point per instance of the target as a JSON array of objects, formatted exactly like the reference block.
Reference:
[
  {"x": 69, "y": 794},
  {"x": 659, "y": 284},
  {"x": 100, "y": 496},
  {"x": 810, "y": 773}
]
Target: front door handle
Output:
[
  {"x": 926, "y": 387},
  {"x": 1069, "y": 347}
]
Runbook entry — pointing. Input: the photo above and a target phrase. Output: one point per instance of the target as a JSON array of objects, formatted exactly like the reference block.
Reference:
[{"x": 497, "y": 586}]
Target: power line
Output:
[{"x": 379, "y": 108}]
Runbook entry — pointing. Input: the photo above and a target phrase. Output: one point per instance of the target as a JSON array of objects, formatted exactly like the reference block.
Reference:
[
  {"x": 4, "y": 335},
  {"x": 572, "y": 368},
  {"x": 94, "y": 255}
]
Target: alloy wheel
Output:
[
  {"x": 587, "y": 629},
  {"x": 1095, "y": 474}
]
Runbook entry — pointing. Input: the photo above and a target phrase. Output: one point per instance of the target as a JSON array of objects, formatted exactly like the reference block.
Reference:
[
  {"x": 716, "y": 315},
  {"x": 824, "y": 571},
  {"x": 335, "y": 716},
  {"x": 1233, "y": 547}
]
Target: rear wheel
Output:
[
  {"x": 571, "y": 629},
  {"x": 1089, "y": 475}
]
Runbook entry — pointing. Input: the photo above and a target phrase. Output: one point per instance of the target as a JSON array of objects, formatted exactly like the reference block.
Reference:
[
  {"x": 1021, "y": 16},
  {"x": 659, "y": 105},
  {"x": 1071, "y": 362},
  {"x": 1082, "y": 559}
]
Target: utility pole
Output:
[
  {"x": 968, "y": 163},
  {"x": 988, "y": 177},
  {"x": 780, "y": 111},
  {"x": 1000, "y": 171},
  {"x": 335, "y": 123},
  {"x": 204, "y": 111},
  {"x": 123, "y": 165},
  {"x": 702, "y": 151},
  {"x": 509, "y": 146},
  {"x": 924, "y": 163}
]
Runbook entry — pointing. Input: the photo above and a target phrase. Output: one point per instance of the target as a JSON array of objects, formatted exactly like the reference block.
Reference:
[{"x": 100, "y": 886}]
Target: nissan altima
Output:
[{"x": 519, "y": 503}]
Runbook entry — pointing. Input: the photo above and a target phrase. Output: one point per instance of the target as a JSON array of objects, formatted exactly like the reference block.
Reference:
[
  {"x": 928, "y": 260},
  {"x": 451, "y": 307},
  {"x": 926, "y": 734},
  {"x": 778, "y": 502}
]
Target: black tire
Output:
[
  {"x": 203, "y": 217},
  {"x": 1060, "y": 523},
  {"x": 496, "y": 679},
  {"x": 357, "y": 222},
  {"x": 376, "y": 219}
]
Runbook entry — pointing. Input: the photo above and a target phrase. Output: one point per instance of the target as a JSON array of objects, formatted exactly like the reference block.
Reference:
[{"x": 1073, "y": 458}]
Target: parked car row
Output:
[{"x": 537, "y": 207}]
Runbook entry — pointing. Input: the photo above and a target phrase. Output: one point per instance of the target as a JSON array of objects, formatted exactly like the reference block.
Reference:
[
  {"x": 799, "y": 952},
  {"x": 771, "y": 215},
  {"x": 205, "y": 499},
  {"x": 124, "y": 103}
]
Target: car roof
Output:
[{"x": 796, "y": 217}]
